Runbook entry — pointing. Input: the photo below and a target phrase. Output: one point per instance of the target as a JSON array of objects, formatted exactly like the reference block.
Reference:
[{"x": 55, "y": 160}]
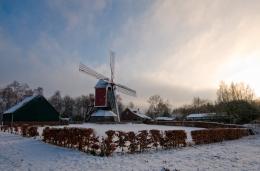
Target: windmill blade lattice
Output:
[
  {"x": 89, "y": 71},
  {"x": 112, "y": 65},
  {"x": 125, "y": 90}
]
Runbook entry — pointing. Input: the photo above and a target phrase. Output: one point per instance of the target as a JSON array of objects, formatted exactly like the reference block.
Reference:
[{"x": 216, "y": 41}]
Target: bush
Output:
[
  {"x": 156, "y": 137},
  {"x": 174, "y": 138},
  {"x": 122, "y": 139},
  {"x": 32, "y": 131},
  {"x": 133, "y": 145},
  {"x": 143, "y": 140},
  {"x": 107, "y": 145}
]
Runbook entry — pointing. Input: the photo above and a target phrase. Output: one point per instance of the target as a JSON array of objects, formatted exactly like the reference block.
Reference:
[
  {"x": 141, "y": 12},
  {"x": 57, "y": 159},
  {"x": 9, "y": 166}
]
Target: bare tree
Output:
[
  {"x": 234, "y": 92},
  {"x": 158, "y": 107},
  {"x": 56, "y": 101}
]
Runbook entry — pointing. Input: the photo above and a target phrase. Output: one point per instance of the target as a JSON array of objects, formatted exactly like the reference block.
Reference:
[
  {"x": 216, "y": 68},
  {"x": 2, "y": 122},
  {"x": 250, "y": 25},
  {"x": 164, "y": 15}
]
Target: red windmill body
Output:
[{"x": 105, "y": 93}]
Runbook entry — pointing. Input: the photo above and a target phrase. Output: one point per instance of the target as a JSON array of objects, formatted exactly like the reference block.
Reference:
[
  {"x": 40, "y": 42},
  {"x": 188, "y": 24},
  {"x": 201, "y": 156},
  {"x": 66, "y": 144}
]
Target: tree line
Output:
[{"x": 237, "y": 101}]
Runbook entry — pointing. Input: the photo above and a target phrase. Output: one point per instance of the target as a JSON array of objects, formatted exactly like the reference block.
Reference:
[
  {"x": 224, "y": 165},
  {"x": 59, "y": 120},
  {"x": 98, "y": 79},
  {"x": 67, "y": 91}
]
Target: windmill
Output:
[{"x": 105, "y": 90}]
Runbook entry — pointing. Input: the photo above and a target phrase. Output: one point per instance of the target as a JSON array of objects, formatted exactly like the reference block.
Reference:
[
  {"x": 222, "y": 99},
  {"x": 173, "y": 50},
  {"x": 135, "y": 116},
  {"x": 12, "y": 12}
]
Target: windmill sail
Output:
[
  {"x": 112, "y": 65},
  {"x": 93, "y": 73},
  {"x": 125, "y": 90},
  {"x": 113, "y": 103}
]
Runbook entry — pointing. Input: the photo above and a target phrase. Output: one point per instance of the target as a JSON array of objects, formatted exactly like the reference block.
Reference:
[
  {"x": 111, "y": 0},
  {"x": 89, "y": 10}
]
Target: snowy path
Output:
[{"x": 24, "y": 154}]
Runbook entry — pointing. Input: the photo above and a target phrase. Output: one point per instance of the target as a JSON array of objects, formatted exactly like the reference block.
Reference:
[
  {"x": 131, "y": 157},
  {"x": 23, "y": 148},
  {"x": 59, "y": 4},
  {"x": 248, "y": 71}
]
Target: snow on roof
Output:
[
  {"x": 138, "y": 113},
  {"x": 101, "y": 84},
  {"x": 104, "y": 113},
  {"x": 200, "y": 115},
  {"x": 19, "y": 105},
  {"x": 164, "y": 118}
]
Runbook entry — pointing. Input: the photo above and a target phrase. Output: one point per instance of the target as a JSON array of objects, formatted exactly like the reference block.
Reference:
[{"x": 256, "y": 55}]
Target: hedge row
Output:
[
  {"x": 24, "y": 130},
  {"x": 207, "y": 136},
  {"x": 199, "y": 124},
  {"x": 84, "y": 139},
  {"x": 34, "y": 123}
]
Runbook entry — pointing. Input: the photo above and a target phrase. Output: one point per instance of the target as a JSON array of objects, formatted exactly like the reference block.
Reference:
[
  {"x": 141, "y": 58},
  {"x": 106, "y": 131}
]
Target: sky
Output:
[{"x": 177, "y": 49}]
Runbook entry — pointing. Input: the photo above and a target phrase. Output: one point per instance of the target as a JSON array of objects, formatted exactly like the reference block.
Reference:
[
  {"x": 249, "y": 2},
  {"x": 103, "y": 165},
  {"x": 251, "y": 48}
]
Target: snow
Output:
[
  {"x": 164, "y": 118},
  {"x": 19, "y": 153},
  {"x": 19, "y": 105},
  {"x": 101, "y": 84},
  {"x": 200, "y": 115},
  {"x": 104, "y": 113},
  {"x": 138, "y": 113}
]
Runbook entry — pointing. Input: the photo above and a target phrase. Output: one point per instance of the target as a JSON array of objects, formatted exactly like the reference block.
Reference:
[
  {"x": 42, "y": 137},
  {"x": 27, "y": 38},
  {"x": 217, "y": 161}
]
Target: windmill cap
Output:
[{"x": 101, "y": 84}]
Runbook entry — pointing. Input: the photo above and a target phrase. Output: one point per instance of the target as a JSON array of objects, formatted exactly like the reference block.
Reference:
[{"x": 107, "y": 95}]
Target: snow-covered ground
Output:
[{"x": 25, "y": 154}]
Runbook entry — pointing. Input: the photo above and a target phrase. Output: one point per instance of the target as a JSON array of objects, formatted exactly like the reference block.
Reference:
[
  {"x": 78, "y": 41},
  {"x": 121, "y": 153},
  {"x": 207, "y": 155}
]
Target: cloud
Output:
[
  {"x": 184, "y": 44},
  {"x": 178, "y": 49}
]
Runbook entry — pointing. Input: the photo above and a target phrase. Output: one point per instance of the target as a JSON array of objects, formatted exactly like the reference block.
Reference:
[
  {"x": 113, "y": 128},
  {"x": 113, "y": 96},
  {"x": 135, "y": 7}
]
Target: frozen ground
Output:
[
  {"x": 28, "y": 154},
  {"x": 100, "y": 129}
]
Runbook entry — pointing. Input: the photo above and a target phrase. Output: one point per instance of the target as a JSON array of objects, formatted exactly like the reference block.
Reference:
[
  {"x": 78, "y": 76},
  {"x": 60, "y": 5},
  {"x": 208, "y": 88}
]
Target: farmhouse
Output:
[
  {"x": 130, "y": 115},
  {"x": 31, "y": 109}
]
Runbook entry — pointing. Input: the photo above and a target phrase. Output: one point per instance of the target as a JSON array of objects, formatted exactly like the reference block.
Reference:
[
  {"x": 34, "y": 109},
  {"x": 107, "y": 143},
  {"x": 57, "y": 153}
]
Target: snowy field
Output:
[
  {"x": 27, "y": 154},
  {"x": 100, "y": 129}
]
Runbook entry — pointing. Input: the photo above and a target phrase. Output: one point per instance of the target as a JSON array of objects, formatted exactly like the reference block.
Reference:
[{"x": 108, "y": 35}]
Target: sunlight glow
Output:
[{"x": 243, "y": 69}]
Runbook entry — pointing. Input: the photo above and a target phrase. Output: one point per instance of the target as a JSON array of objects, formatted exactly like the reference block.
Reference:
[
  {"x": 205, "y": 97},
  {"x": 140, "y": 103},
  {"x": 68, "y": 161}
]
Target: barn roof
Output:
[
  {"x": 34, "y": 108},
  {"x": 19, "y": 105},
  {"x": 138, "y": 113},
  {"x": 106, "y": 113}
]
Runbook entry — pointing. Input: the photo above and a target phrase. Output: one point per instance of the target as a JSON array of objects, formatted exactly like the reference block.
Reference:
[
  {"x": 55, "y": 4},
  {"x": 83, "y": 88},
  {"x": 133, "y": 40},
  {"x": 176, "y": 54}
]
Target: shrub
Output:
[
  {"x": 156, "y": 137},
  {"x": 24, "y": 130},
  {"x": 133, "y": 145},
  {"x": 107, "y": 145},
  {"x": 143, "y": 140},
  {"x": 32, "y": 131},
  {"x": 122, "y": 139}
]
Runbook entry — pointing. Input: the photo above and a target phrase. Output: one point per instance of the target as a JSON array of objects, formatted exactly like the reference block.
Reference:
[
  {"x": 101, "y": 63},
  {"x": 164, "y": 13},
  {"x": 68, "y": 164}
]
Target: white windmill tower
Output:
[{"x": 105, "y": 93}]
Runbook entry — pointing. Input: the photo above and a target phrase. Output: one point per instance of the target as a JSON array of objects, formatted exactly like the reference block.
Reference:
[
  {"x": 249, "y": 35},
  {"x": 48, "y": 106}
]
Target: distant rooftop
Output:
[
  {"x": 138, "y": 113},
  {"x": 200, "y": 115}
]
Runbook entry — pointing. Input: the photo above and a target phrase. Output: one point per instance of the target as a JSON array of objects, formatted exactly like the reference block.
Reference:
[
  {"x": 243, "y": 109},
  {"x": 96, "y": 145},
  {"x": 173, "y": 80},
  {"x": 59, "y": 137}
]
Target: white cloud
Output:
[
  {"x": 185, "y": 44},
  {"x": 178, "y": 49}
]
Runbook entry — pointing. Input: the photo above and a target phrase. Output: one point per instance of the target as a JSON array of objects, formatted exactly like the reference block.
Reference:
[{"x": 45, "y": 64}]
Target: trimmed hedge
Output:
[
  {"x": 199, "y": 124},
  {"x": 84, "y": 139},
  {"x": 207, "y": 136},
  {"x": 24, "y": 130},
  {"x": 34, "y": 123}
]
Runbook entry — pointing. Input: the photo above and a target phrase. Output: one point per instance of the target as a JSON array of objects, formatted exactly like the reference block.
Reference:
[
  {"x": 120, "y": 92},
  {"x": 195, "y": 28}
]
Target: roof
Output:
[
  {"x": 200, "y": 115},
  {"x": 164, "y": 118},
  {"x": 104, "y": 113},
  {"x": 138, "y": 113},
  {"x": 19, "y": 105},
  {"x": 101, "y": 84}
]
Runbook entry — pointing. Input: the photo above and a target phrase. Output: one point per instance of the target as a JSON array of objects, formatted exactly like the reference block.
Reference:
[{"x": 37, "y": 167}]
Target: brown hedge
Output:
[
  {"x": 217, "y": 135},
  {"x": 84, "y": 139},
  {"x": 24, "y": 130},
  {"x": 200, "y": 124}
]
